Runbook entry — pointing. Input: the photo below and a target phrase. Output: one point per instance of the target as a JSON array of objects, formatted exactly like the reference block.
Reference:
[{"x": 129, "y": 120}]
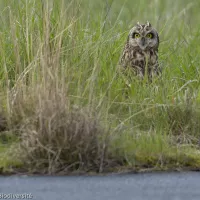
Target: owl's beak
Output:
[{"x": 142, "y": 43}]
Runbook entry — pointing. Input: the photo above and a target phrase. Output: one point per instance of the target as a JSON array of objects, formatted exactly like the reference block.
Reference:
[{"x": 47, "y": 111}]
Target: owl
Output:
[{"x": 140, "y": 54}]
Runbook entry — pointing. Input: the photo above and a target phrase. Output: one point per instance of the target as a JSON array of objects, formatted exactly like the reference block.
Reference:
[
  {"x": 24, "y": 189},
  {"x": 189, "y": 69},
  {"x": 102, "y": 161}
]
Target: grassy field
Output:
[{"x": 63, "y": 104}]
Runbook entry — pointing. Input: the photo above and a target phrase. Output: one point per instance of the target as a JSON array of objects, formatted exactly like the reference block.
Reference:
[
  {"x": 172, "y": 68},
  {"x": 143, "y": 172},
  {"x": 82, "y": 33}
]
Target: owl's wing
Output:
[{"x": 123, "y": 68}]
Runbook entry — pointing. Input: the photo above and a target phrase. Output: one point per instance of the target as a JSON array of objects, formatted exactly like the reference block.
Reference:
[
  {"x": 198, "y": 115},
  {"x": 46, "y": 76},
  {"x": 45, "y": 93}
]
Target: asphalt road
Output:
[{"x": 147, "y": 186}]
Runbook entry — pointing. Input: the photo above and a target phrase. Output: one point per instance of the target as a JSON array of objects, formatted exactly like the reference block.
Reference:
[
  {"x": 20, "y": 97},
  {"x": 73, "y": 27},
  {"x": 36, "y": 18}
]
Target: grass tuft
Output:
[{"x": 56, "y": 137}]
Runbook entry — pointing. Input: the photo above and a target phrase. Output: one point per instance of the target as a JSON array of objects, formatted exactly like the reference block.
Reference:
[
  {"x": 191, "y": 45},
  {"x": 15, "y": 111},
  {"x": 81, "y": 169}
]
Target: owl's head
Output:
[{"x": 143, "y": 36}]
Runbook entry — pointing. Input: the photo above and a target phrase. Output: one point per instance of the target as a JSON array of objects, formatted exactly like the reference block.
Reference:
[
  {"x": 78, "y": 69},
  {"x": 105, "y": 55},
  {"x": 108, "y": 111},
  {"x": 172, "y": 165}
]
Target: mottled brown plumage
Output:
[{"x": 140, "y": 54}]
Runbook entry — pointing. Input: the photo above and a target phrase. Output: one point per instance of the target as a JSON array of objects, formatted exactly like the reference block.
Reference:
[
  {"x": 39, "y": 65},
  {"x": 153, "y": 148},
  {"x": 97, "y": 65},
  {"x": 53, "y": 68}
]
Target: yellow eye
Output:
[
  {"x": 136, "y": 35},
  {"x": 149, "y": 35}
]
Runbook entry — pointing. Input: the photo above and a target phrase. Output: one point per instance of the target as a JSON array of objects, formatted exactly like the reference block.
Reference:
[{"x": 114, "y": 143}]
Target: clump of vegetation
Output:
[{"x": 57, "y": 137}]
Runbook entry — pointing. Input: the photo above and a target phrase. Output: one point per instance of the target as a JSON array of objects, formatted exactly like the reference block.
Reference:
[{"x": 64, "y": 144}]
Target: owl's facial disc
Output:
[{"x": 144, "y": 37}]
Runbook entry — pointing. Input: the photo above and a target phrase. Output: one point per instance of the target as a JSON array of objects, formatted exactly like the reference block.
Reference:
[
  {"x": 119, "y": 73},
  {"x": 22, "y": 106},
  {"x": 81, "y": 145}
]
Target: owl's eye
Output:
[
  {"x": 149, "y": 35},
  {"x": 136, "y": 35}
]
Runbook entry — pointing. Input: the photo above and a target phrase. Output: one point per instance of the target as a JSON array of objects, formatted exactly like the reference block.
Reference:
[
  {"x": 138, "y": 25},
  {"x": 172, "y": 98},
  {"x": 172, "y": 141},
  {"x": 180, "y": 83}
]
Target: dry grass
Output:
[{"x": 57, "y": 136}]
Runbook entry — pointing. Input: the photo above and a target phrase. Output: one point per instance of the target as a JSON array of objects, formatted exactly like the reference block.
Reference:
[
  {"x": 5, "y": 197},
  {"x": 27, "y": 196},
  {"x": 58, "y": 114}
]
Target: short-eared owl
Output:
[{"x": 141, "y": 51}]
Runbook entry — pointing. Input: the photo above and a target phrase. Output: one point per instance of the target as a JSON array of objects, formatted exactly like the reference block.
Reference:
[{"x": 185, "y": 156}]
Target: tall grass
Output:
[{"x": 64, "y": 99}]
